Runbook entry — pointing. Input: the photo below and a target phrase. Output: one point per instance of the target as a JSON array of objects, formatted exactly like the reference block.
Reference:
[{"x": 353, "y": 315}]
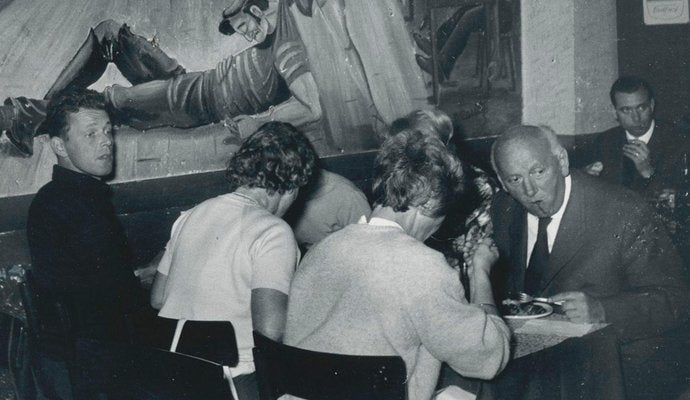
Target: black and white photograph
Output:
[{"x": 344, "y": 199}]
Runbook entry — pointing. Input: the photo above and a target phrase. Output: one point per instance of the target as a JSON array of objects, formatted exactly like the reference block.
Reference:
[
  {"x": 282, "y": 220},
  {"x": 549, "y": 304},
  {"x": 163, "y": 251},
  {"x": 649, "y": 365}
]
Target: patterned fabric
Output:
[{"x": 478, "y": 224}]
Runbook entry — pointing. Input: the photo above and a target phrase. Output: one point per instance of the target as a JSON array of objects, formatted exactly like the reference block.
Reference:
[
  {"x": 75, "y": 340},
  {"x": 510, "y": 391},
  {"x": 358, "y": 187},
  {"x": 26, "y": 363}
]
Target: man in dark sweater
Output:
[{"x": 78, "y": 248}]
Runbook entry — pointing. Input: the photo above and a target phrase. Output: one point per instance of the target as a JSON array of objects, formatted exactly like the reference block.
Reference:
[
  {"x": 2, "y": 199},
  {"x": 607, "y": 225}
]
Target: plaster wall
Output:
[{"x": 569, "y": 62}]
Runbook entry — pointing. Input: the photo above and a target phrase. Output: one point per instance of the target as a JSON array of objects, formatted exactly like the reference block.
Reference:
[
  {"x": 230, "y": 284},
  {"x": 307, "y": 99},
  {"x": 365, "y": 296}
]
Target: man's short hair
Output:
[
  {"x": 413, "y": 169},
  {"x": 277, "y": 157},
  {"x": 69, "y": 102},
  {"x": 630, "y": 84}
]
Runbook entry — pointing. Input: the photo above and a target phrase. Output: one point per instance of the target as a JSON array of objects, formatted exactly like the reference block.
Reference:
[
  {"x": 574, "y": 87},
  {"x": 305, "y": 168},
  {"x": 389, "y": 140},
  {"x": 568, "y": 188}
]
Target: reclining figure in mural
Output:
[{"x": 269, "y": 81}]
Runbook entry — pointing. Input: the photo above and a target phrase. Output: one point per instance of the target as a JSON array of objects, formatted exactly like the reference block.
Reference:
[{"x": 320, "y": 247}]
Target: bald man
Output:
[{"x": 595, "y": 247}]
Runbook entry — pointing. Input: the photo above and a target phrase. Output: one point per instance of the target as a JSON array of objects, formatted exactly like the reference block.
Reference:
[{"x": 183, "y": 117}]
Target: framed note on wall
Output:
[{"x": 662, "y": 12}]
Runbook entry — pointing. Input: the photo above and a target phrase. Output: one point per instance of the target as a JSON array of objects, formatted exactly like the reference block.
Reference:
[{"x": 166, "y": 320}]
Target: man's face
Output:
[
  {"x": 88, "y": 145},
  {"x": 532, "y": 175},
  {"x": 634, "y": 111},
  {"x": 253, "y": 26}
]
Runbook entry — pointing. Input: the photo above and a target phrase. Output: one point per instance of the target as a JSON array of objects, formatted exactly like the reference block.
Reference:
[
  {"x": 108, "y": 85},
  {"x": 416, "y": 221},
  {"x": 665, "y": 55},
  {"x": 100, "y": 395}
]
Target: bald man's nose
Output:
[{"x": 528, "y": 187}]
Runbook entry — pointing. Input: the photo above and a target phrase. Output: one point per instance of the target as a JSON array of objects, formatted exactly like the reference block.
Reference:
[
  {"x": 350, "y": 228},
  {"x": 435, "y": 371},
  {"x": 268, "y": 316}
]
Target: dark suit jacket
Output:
[
  {"x": 666, "y": 148},
  {"x": 609, "y": 245}
]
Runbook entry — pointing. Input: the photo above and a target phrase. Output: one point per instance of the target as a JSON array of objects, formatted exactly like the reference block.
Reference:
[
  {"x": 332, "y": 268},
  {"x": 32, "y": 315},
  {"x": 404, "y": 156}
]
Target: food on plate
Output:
[{"x": 515, "y": 308}]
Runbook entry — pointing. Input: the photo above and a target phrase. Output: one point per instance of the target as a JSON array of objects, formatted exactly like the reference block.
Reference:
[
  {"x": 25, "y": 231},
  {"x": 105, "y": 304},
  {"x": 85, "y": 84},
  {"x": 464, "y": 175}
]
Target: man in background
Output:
[{"x": 641, "y": 153}]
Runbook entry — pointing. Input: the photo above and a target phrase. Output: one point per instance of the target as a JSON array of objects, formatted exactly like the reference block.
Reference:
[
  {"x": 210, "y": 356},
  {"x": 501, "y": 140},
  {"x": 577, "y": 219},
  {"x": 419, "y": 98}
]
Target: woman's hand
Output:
[{"x": 481, "y": 257}]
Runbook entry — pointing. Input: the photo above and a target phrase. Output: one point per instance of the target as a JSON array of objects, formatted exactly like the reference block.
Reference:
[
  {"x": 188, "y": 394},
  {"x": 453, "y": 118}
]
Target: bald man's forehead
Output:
[
  {"x": 524, "y": 144},
  {"x": 522, "y": 150}
]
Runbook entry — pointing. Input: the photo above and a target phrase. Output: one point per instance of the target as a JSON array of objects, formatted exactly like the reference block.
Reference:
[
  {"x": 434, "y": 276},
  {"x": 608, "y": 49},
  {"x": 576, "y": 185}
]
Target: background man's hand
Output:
[
  {"x": 638, "y": 152},
  {"x": 580, "y": 307},
  {"x": 595, "y": 168}
]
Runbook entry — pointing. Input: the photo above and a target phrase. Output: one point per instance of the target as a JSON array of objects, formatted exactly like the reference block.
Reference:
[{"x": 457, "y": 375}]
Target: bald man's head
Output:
[{"x": 532, "y": 165}]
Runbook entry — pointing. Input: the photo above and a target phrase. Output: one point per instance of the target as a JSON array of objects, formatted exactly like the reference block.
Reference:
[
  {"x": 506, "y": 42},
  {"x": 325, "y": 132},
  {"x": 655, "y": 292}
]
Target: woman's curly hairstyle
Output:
[
  {"x": 277, "y": 157},
  {"x": 414, "y": 169}
]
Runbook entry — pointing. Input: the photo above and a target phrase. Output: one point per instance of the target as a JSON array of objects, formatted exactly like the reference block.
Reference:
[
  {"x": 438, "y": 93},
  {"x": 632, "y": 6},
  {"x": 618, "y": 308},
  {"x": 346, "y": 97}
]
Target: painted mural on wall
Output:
[
  {"x": 186, "y": 95},
  {"x": 187, "y": 80}
]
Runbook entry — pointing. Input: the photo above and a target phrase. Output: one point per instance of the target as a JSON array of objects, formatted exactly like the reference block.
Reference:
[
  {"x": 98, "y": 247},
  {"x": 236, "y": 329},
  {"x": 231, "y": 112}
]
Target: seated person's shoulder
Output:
[
  {"x": 330, "y": 182},
  {"x": 607, "y": 198},
  {"x": 420, "y": 258},
  {"x": 50, "y": 200}
]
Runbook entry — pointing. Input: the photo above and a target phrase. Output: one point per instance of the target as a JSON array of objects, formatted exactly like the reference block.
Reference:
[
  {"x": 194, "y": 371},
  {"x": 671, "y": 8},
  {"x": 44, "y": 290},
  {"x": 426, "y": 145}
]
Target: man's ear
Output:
[
  {"x": 614, "y": 111},
  {"x": 500, "y": 181},
  {"x": 563, "y": 162},
  {"x": 58, "y": 146}
]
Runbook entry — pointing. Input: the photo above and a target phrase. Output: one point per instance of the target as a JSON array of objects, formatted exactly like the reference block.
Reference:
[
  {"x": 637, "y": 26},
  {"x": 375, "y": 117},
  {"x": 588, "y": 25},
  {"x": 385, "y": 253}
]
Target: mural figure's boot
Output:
[
  {"x": 21, "y": 120},
  {"x": 138, "y": 59},
  {"x": 427, "y": 66},
  {"x": 141, "y": 60}
]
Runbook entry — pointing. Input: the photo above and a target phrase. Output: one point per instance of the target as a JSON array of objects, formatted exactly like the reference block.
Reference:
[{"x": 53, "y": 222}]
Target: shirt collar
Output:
[
  {"x": 566, "y": 196},
  {"x": 79, "y": 182},
  {"x": 378, "y": 221},
  {"x": 644, "y": 138}
]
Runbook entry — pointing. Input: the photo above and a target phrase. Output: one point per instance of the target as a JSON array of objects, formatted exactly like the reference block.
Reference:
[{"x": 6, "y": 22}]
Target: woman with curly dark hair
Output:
[{"x": 231, "y": 258}]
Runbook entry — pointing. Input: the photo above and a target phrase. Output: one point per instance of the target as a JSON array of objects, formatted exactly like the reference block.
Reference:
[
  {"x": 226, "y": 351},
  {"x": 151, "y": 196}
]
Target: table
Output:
[
  {"x": 547, "y": 364},
  {"x": 532, "y": 335}
]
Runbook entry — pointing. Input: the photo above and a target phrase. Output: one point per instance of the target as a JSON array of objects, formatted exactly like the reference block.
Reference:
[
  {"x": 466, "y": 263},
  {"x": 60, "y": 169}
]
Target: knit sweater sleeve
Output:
[{"x": 472, "y": 342}]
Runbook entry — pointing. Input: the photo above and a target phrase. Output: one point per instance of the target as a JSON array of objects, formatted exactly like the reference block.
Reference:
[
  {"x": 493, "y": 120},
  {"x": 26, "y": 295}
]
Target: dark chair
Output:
[
  {"x": 48, "y": 325},
  {"x": 49, "y": 336},
  {"x": 116, "y": 371},
  {"x": 283, "y": 369},
  {"x": 211, "y": 340}
]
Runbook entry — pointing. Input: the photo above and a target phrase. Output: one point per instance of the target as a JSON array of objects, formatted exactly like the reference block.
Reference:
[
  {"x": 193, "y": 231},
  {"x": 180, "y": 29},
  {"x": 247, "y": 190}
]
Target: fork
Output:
[{"x": 526, "y": 298}]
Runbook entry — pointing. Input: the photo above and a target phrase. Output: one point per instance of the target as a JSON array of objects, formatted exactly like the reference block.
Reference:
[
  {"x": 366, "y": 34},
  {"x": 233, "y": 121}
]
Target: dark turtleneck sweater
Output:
[{"x": 79, "y": 252}]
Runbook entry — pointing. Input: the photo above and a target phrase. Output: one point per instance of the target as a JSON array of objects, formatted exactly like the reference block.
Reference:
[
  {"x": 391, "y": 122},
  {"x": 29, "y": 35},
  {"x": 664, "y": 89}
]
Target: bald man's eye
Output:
[{"x": 513, "y": 180}]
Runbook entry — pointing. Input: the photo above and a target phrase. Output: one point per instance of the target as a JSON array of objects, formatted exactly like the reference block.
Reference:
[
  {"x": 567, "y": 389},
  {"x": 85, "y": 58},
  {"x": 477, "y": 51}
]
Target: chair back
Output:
[
  {"x": 211, "y": 340},
  {"x": 283, "y": 369},
  {"x": 48, "y": 325},
  {"x": 122, "y": 371}
]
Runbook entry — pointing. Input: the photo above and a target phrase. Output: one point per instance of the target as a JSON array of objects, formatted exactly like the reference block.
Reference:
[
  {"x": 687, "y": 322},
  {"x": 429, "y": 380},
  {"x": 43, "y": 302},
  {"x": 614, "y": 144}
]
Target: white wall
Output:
[{"x": 569, "y": 61}]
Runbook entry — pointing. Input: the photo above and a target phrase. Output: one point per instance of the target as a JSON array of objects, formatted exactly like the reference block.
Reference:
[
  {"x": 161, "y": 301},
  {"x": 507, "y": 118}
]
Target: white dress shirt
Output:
[
  {"x": 552, "y": 229},
  {"x": 644, "y": 138}
]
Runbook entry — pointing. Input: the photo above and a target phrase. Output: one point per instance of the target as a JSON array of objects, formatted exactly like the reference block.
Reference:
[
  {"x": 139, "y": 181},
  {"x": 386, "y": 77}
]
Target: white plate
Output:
[{"x": 547, "y": 311}]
